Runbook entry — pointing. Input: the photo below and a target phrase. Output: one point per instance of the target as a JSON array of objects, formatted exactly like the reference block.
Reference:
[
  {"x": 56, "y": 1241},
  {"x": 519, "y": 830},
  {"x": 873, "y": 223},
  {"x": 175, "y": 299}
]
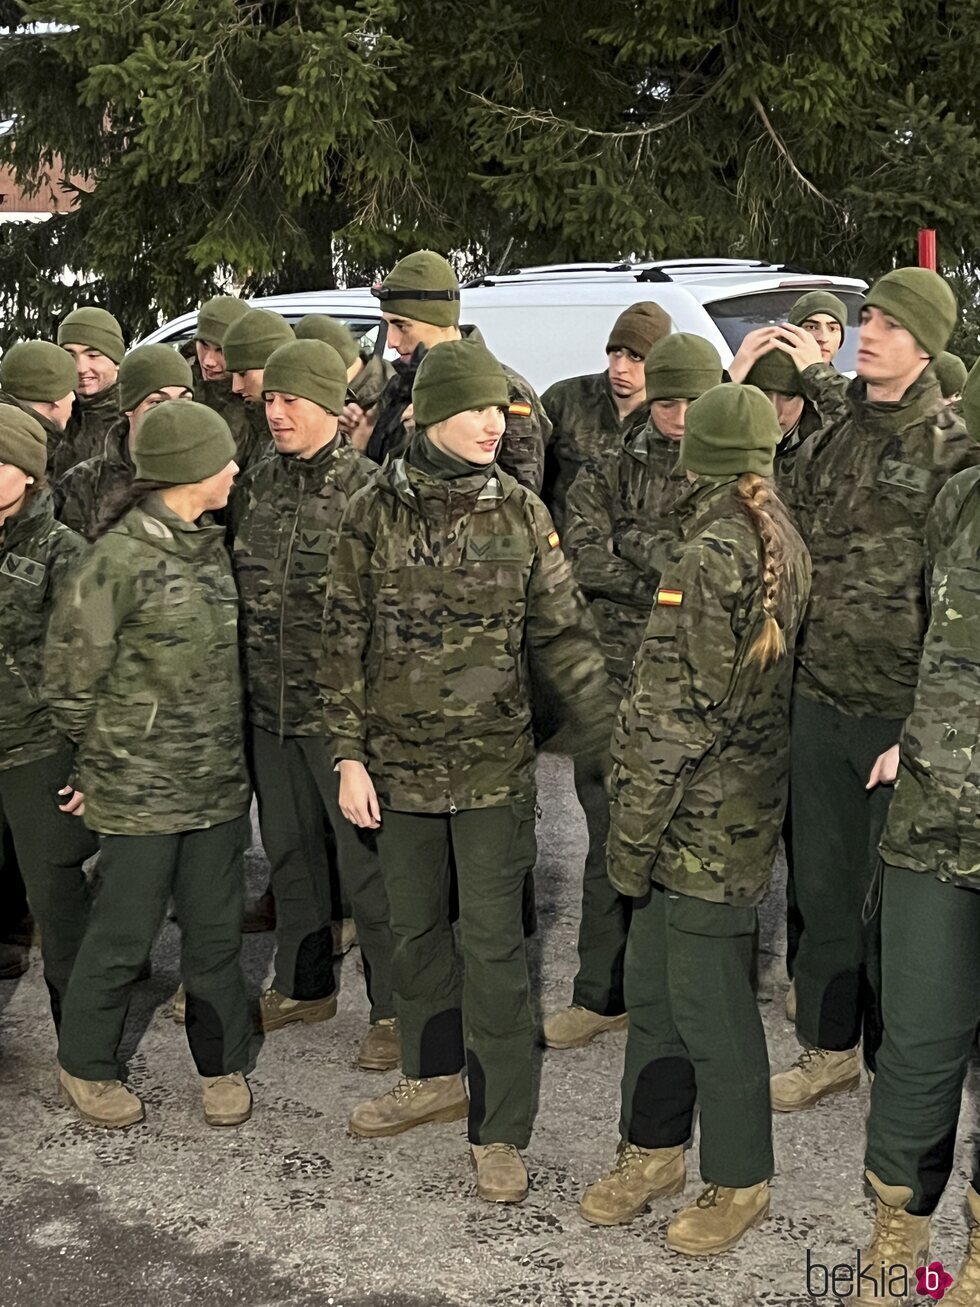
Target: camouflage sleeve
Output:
[
  {"x": 527, "y": 432},
  {"x": 955, "y": 503},
  {"x": 826, "y": 389},
  {"x": 590, "y": 528}
]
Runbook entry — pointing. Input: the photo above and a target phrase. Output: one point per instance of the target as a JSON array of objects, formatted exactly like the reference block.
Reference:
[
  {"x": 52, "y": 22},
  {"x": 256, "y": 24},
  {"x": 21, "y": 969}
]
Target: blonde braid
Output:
[{"x": 768, "y": 518}]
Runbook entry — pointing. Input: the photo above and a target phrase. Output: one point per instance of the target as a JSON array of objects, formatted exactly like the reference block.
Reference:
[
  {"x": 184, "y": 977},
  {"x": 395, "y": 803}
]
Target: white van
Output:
[{"x": 552, "y": 322}]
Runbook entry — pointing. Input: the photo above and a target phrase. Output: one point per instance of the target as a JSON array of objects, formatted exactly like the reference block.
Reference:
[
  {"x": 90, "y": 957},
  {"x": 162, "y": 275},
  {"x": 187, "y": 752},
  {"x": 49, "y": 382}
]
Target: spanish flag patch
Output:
[
  {"x": 553, "y": 539},
  {"x": 519, "y": 409},
  {"x": 672, "y": 598}
]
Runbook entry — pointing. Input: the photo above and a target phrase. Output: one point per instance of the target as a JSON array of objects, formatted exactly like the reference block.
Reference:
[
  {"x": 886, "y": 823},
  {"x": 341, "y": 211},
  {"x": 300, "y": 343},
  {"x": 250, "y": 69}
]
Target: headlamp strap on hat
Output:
[{"x": 382, "y": 292}]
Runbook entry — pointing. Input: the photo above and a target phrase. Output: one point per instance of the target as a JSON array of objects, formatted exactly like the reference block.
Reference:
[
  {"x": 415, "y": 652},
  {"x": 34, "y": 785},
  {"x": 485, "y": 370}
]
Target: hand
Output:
[
  {"x": 350, "y": 416},
  {"x": 358, "y": 425},
  {"x": 358, "y": 798},
  {"x": 885, "y": 769},
  {"x": 754, "y": 345},
  {"x": 75, "y": 804},
  {"x": 799, "y": 344},
  {"x": 408, "y": 418}
]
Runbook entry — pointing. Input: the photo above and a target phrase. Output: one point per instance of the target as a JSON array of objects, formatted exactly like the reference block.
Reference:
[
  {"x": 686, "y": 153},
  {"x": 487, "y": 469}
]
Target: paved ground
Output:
[{"x": 289, "y": 1210}]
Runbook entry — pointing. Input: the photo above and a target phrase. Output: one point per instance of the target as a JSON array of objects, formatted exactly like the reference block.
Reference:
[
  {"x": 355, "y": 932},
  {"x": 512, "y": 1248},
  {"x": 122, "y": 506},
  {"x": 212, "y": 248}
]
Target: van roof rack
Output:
[{"x": 660, "y": 270}]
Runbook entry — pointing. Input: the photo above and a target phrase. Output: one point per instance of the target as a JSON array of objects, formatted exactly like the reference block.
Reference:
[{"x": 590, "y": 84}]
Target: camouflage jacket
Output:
[
  {"x": 54, "y": 434},
  {"x": 141, "y": 673},
  {"x": 587, "y": 428},
  {"x": 527, "y": 432},
  {"x": 701, "y": 751},
  {"x": 91, "y": 417},
  {"x": 37, "y": 554},
  {"x": 285, "y": 518},
  {"x": 246, "y": 422},
  {"x": 84, "y": 492},
  {"x": 934, "y": 817},
  {"x": 617, "y": 532},
  {"x": 861, "y": 489},
  {"x": 367, "y": 387},
  {"x": 446, "y": 601}
]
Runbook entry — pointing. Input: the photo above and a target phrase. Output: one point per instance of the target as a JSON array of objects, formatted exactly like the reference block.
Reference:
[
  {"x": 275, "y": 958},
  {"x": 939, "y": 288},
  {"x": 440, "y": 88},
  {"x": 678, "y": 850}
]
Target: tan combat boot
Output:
[
  {"x": 344, "y": 936},
  {"x": 574, "y": 1027},
  {"x": 897, "y": 1240},
  {"x": 381, "y": 1047},
  {"x": 276, "y": 1010},
  {"x": 106, "y": 1103},
  {"x": 227, "y": 1099},
  {"x": 411, "y": 1103},
  {"x": 177, "y": 1007},
  {"x": 501, "y": 1176},
  {"x": 718, "y": 1219},
  {"x": 639, "y": 1176},
  {"x": 815, "y": 1074},
  {"x": 966, "y": 1284}
]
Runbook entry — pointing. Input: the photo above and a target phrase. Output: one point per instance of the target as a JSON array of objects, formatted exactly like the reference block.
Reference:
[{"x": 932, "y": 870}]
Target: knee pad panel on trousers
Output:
[{"x": 441, "y": 1051}]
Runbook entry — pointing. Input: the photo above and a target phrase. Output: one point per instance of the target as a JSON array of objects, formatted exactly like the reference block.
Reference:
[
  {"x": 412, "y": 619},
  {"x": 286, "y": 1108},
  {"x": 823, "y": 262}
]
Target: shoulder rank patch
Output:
[
  {"x": 673, "y": 598},
  {"x": 553, "y": 539},
  {"x": 519, "y": 409}
]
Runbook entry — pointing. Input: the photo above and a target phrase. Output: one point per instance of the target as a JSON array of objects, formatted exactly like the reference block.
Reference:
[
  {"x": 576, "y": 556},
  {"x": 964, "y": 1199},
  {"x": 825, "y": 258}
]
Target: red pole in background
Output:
[{"x": 927, "y": 248}]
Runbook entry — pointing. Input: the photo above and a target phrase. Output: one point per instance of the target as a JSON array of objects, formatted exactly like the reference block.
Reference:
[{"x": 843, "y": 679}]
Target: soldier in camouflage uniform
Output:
[
  {"x": 248, "y": 342},
  {"x": 285, "y": 518},
  {"x": 37, "y": 555},
  {"x": 420, "y": 304},
  {"x": 367, "y": 374},
  {"x": 698, "y": 789},
  {"x": 40, "y": 378},
  {"x": 862, "y": 488},
  {"x": 592, "y": 416},
  {"x": 618, "y": 532},
  {"x": 94, "y": 339},
  {"x": 449, "y": 592},
  {"x": 212, "y": 380},
  {"x": 148, "y": 376},
  {"x": 951, "y": 373},
  {"x": 142, "y": 675}
]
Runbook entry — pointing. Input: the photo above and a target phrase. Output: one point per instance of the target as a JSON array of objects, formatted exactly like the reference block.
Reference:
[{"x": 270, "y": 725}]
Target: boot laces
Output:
[
  {"x": 629, "y": 1158},
  {"x": 490, "y": 1149},
  {"x": 405, "y": 1089},
  {"x": 890, "y": 1243},
  {"x": 709, "y": 1198},
  {"x": 809, "y": 1055}
]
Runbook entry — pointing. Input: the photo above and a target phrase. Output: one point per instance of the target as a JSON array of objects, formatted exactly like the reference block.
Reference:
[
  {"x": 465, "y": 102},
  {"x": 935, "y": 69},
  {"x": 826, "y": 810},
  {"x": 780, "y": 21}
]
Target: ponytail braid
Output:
[{"x": 768, "y": 517}]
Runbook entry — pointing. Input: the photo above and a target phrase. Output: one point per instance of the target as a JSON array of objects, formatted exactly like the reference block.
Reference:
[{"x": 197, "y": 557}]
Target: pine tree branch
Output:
[{"x": 781, "y": 147}]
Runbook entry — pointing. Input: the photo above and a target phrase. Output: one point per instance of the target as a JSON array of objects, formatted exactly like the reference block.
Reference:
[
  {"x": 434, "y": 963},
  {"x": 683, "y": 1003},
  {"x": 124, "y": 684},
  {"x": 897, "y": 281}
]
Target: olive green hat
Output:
[
  {"x": 23, "y": 441},
  {"x": 729, "y": 430},
  {"x": 775, "y": 370},
  {"x": 38, "y": 371},
  {"x": 971, "y": 401},
  {"x": 310, "y": 369},
  {"x": 423, "y": 287},
  {"x": 148, "y": 369},
  {"x": 454, "y": 377},
  {"x": 819, "y": 301},
  {"x": 252, "y": 337},
  {"x": 216, "y": 315},
  {"x": 920, "y": 301},
  {"x": 182, "y": 443},
  {"x": 95, "y": 329},
  {"x": 638, "y": 328},
  {"x": 681, "y": 366},
  {"x": 951, "y": 371},
  {"x": 320, "y": 326}
]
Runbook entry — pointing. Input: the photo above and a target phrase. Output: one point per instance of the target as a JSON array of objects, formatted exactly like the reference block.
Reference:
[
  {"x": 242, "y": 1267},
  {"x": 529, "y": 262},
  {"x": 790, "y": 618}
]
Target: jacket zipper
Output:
[{"x": 282, "y": 614}]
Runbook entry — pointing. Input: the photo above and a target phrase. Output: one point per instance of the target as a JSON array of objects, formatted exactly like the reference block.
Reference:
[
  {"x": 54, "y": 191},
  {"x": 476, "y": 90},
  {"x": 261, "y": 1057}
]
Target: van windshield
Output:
[{"x": 737, "y": 316}]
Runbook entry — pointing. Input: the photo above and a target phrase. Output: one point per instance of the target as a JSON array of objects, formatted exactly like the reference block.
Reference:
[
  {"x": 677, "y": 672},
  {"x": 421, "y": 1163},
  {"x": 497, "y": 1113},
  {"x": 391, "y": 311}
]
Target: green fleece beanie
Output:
[
  {"x": 819, "y": 301},
  {"x": 95, "y": 329},
  {"x": 681, "y": 366},
  {"x": 182, "y": 443},
  {"x": 216, "y": 315},
  {"x": 320, "y": 326},
  {"x": 971, "y": 401},
  {"x": 455, "y": 377},
  {"x": 775, "y": 371},
  {"x": 920, "y": 301},
  {"x": 252, "y": 337},
  {"x": 951, "y": 372},
  {"x": 310, "y": 369},
  {"x": 729, "y": 430},
  {"x": 23, "y": 441},
  {"x": 38, "y": 371},
  {"x": 148, "y": 369},
  {"x": 638, "y": 328},
  {"x": 423, "y": 287}
]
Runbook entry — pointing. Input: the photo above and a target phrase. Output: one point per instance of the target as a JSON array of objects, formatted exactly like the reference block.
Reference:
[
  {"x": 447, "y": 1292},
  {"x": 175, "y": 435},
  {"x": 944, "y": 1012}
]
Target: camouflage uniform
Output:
[
  {"x": 587, "y": 428},
  {"x": 141, "y": 673},
  {"x": 246, "y": 422},
  {"x": 54, "y": 434},
  {"x": 698, "y": 786},
  {"x": 286, "y": 516},
  {"x": 91, "y": 418},
  {"x": 82, "y": 494},
  {"x": 931, "y": 890},
  {"x": 446, "y": 596},
  {"x": 862, "y": 488},
  {"x": 37, "y": 555}
]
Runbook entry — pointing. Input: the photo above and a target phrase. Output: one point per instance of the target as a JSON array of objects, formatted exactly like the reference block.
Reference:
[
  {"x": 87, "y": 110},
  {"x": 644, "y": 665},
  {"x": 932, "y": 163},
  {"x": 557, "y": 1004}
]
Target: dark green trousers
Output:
[
  {"x": 695, "y": 1035},
  {"x": 605, "y": 912},
  {"x": 300, "y": 820},
  {"x": 930, "y": 964},
  {"x": 50, "y": 847},
  {"x": 837, "y": 825},
  {"x": 203, "y": 871},
  {"x": 482, "y": 1019},
  {"x": 15, "y": 915}
]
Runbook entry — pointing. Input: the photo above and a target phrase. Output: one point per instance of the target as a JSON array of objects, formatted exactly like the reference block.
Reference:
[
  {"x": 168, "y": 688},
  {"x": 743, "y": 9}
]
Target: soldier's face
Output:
[
  {"x": 57, "y": 411},
  {"x": 211, "y": 360},
  {"x": 13, "y": 487},
  {"x": 405, "y": 334},
  {"x": 826, "y": 331},
  {"x": 473, "y": 436},
  {"x": 96, "y": 372},
  {"x": 161, "y": 396},
  {"x": 626, "y": 376},
  {"x": 213, "y": 493},
  {"x": 789, "y": 409},
  {"x": 886, "y": 351},
  {"x": 668, "y": 416},
  {"x": 298, "y": 425},
  {"x": 248, "y": 385}
]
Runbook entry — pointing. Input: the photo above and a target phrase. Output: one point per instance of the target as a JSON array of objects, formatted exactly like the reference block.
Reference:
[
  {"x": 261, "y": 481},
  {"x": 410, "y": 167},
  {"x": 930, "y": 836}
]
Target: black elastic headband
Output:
[{"x": 383, "y": 292}]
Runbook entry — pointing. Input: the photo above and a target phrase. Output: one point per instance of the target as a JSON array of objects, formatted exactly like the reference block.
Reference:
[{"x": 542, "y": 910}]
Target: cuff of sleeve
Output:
[{"x": 348, "y": 751}]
